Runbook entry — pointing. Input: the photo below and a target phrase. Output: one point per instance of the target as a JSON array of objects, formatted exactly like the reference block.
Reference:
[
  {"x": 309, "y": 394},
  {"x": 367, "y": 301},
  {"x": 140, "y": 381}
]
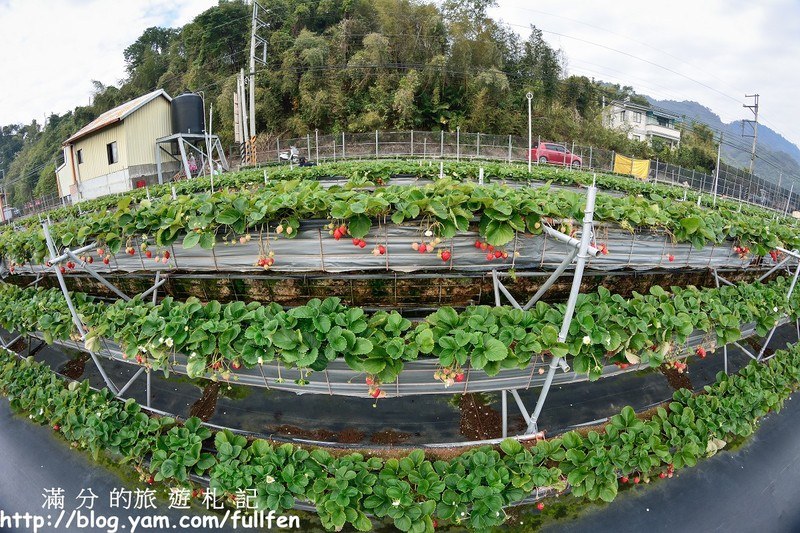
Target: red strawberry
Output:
[
  {"x": 484, "y": 246},
  {"x": 369, "y": 381},
  {"x": 166, "y": 254},
  {"x": 148, "y": 254},
  {"x": 498, "y": 254},
  {"x": 337, "y": 234},
  {"x": 489, "y": 256},
  {"x": 505, "y": 255},
  {"x": 106, "y": 261},
  {"x": 624, "y": 479},
  {"x": 422, "y": 248},
  {"x": 362, "y": 243},
  {"x": 217, "y": 365},
  {"x": 459, "y": 377},
  {"x": 636, "y": 479},
  {"x": 490, "y": 248},
  {"x": 540, "y": 506},
  {"x": 56, "y": 427},
  {"x": 90, "y": 259},
  {"x": 671, "y": 258},
  {"x": 477, "y": 244},
  {"x": 151, "y": 479},
  {"x": 100, "y": 251},
  {"x": 356, "y": 242},
  {"x": 662, "y": 475},
  {"x": 131, "y": 250},
  {"x": 446, "y": 256},
  {"x": 701, "y": 352},
  {"x": 236, "y": 365},
  {"x": 375, "y": 393},
  {"x": 63, "y": 270},
  {"x": 381, "y": 249},
  {"x": 343, "y": 230}
]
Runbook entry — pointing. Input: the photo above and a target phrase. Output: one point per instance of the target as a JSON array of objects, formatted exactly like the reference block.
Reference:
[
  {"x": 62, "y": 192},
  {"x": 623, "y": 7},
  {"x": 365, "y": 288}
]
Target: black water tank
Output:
[{"x": 187, "y": 114}]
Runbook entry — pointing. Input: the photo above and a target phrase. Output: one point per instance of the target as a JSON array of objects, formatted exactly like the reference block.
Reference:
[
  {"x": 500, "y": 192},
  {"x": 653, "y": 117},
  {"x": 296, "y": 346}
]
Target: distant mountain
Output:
[{"x": 772, "y": 146}]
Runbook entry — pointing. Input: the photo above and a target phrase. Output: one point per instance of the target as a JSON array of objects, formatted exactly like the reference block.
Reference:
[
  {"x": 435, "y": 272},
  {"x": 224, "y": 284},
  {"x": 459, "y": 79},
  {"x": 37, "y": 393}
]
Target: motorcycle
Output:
[{"x": 293, "y": 157}]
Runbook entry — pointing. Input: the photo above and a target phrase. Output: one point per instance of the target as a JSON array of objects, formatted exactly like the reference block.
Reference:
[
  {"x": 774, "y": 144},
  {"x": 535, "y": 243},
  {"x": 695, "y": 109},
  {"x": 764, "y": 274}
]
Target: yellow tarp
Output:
[{"x": 635, "y": 167}]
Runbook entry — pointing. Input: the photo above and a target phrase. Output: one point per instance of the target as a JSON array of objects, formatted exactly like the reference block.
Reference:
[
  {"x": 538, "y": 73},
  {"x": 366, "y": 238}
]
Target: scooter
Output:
[{"x": 292, "y": 156}]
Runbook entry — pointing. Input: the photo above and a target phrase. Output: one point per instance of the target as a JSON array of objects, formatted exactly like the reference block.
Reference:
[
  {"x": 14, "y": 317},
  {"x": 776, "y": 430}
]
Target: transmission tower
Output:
[{"x": 754, "y": 124}]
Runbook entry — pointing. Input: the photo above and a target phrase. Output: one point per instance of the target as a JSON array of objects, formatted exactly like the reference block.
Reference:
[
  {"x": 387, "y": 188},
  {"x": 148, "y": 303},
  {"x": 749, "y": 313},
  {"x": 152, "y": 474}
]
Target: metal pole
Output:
[
  {"x": 75, "y": 319},
  {"x": 254, "y": 27},
  {"x": 590, "y": 157},
  {"x": 308, "y": 146},
  {"x": 788, "y": 199},
  {"x": 504, "y": 401},
  {"x": 148, "y": 388},
  {"x": 586, "y": 236},
  {"x": 716, "y": 176},
  {"x": 509, "y": 148},
  {"x": 529, "y": 96},
  {"x": 412, "y": 143},
  {"x": 441, "y": 144},
  {"x": 316, "y": 144},
  {"x": 99, "y": 278},
  {"x": 478, "y": 146},
  {"x": 343, "y": 152},
  {"x": 552, "y": 279},
  {"x": 458, "y": 143},
  {"x": 130, "y": 382},
  {"x": 376, "y": 144}
]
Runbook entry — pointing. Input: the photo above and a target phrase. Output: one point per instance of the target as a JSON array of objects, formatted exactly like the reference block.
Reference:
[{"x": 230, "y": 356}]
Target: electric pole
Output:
[
  {"x": 754, "y": 122},
  {"x": 258, "y": 53}
]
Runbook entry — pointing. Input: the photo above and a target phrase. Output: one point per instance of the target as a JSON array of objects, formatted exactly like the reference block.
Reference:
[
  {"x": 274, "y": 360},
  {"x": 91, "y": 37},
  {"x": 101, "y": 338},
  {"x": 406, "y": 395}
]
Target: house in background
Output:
[
  {"x": 642, "y": 122},
  {"x": 116, "y": 152}
]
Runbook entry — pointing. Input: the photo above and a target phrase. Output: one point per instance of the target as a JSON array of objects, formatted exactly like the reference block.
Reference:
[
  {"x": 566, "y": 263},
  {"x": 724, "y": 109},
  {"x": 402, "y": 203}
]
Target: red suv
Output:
[{"x": 554, "y": 153}]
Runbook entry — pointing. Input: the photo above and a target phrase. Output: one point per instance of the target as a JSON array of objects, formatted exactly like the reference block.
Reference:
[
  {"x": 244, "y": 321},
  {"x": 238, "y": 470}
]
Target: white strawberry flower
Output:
[
  {"x": 775, "y": 309},
  {"x": 587, "y": 339},
  {"x": 270, "y": 479},
  {"x": 193, "y": 354},
  {"x": 260, "y": 360},
  {"x": 169, "y": 342},
  {"x": 185, "y": 328},
  {"x": 396, "y": 503},
  {"x": 160, "y": 340}
]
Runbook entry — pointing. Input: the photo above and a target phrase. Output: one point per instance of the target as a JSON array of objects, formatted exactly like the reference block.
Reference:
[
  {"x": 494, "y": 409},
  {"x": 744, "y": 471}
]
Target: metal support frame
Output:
[
  {"x": 185, "y": 148},
  {"x": 791, "y": 254},
  {"x": 583, "y": 251},
  {"x": 68, "y": 254}
]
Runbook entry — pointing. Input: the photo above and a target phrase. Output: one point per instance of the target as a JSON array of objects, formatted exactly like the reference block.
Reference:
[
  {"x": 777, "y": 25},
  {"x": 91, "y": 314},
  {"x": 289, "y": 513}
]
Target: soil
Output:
[
  {"x": 393, "y": 291},
  {"x": 754, "y": 343},
  {"x": 675, "y": 379},
  {"x": 480, "y": 422},
  {"x": 389, "y": 437},
  {"x": 205, "y": 407},
  {"x": 74, "y": 368}
]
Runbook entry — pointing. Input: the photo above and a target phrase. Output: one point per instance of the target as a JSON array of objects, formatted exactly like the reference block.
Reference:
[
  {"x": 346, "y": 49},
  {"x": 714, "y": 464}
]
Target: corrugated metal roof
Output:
[{"x": 117, "y": 114}]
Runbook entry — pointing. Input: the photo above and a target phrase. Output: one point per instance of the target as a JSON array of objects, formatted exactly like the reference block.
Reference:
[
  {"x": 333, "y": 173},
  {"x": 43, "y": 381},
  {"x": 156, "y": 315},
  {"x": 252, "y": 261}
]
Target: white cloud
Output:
[
  {"x": 51, "y": 51},
  {"x": 713, "y": 52}
]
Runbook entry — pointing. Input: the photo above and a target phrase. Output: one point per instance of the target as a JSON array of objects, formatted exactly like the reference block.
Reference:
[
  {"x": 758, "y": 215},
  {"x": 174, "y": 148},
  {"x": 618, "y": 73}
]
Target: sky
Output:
[{"x": 711, "y": 51}]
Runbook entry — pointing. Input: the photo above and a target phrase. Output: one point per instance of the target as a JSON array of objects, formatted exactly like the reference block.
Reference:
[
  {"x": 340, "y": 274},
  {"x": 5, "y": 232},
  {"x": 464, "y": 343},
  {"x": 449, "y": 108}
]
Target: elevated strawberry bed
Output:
[{"x": 324, "y": 336}]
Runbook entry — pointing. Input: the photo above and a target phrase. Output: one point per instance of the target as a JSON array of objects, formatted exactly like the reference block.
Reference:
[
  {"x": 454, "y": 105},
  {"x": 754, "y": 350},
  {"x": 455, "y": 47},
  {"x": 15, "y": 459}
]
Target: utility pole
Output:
[
  {"x": 716, "y": 174},
  {"x": 754, "y": 122},
  {"x": 529, "y": 96},
  {"x": 258, "y": 53}
]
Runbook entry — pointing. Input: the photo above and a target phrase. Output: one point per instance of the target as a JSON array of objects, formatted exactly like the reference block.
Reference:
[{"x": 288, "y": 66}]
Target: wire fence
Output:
[{"x": 730, "y": 183}]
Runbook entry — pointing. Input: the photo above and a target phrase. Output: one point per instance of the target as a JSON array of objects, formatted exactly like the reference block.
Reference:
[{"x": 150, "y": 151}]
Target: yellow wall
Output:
[
  {"x": 143, "y": 127},
  {"x": 95, "y": 160}
]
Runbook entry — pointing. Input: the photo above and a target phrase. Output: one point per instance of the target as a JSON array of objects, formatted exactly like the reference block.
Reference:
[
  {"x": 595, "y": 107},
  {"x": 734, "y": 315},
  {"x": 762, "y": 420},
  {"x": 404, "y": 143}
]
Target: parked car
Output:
[{"x": 546, "y": 152}]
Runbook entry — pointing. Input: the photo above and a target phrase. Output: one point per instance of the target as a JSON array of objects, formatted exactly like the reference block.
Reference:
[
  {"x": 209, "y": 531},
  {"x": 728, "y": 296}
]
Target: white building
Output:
[
  {"x": 642, "y": 122},
  {"x": 116, "y": 152}
]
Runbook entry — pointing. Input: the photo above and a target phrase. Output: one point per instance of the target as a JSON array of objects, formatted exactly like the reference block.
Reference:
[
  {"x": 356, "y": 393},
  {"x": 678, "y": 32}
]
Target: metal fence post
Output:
[
  {"x": 412, "y": 143},
  {"x": 590, "y": 157},
  {"x": 509, "y": 148},
  {"x": 376, "y": 144},
  {"x": 458, "y": 143},
  {"x": 478, "y": 146},
  {"x": 308, "y": 145},
  {"x": 316, "y": 144},
  {"x": 343, "y": 153},
  {"x": 441, "y": 145}
]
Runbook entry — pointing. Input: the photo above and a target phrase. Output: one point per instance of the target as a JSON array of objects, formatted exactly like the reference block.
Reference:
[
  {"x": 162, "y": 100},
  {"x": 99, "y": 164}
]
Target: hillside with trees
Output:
[{"x": 354, "y": 65}]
